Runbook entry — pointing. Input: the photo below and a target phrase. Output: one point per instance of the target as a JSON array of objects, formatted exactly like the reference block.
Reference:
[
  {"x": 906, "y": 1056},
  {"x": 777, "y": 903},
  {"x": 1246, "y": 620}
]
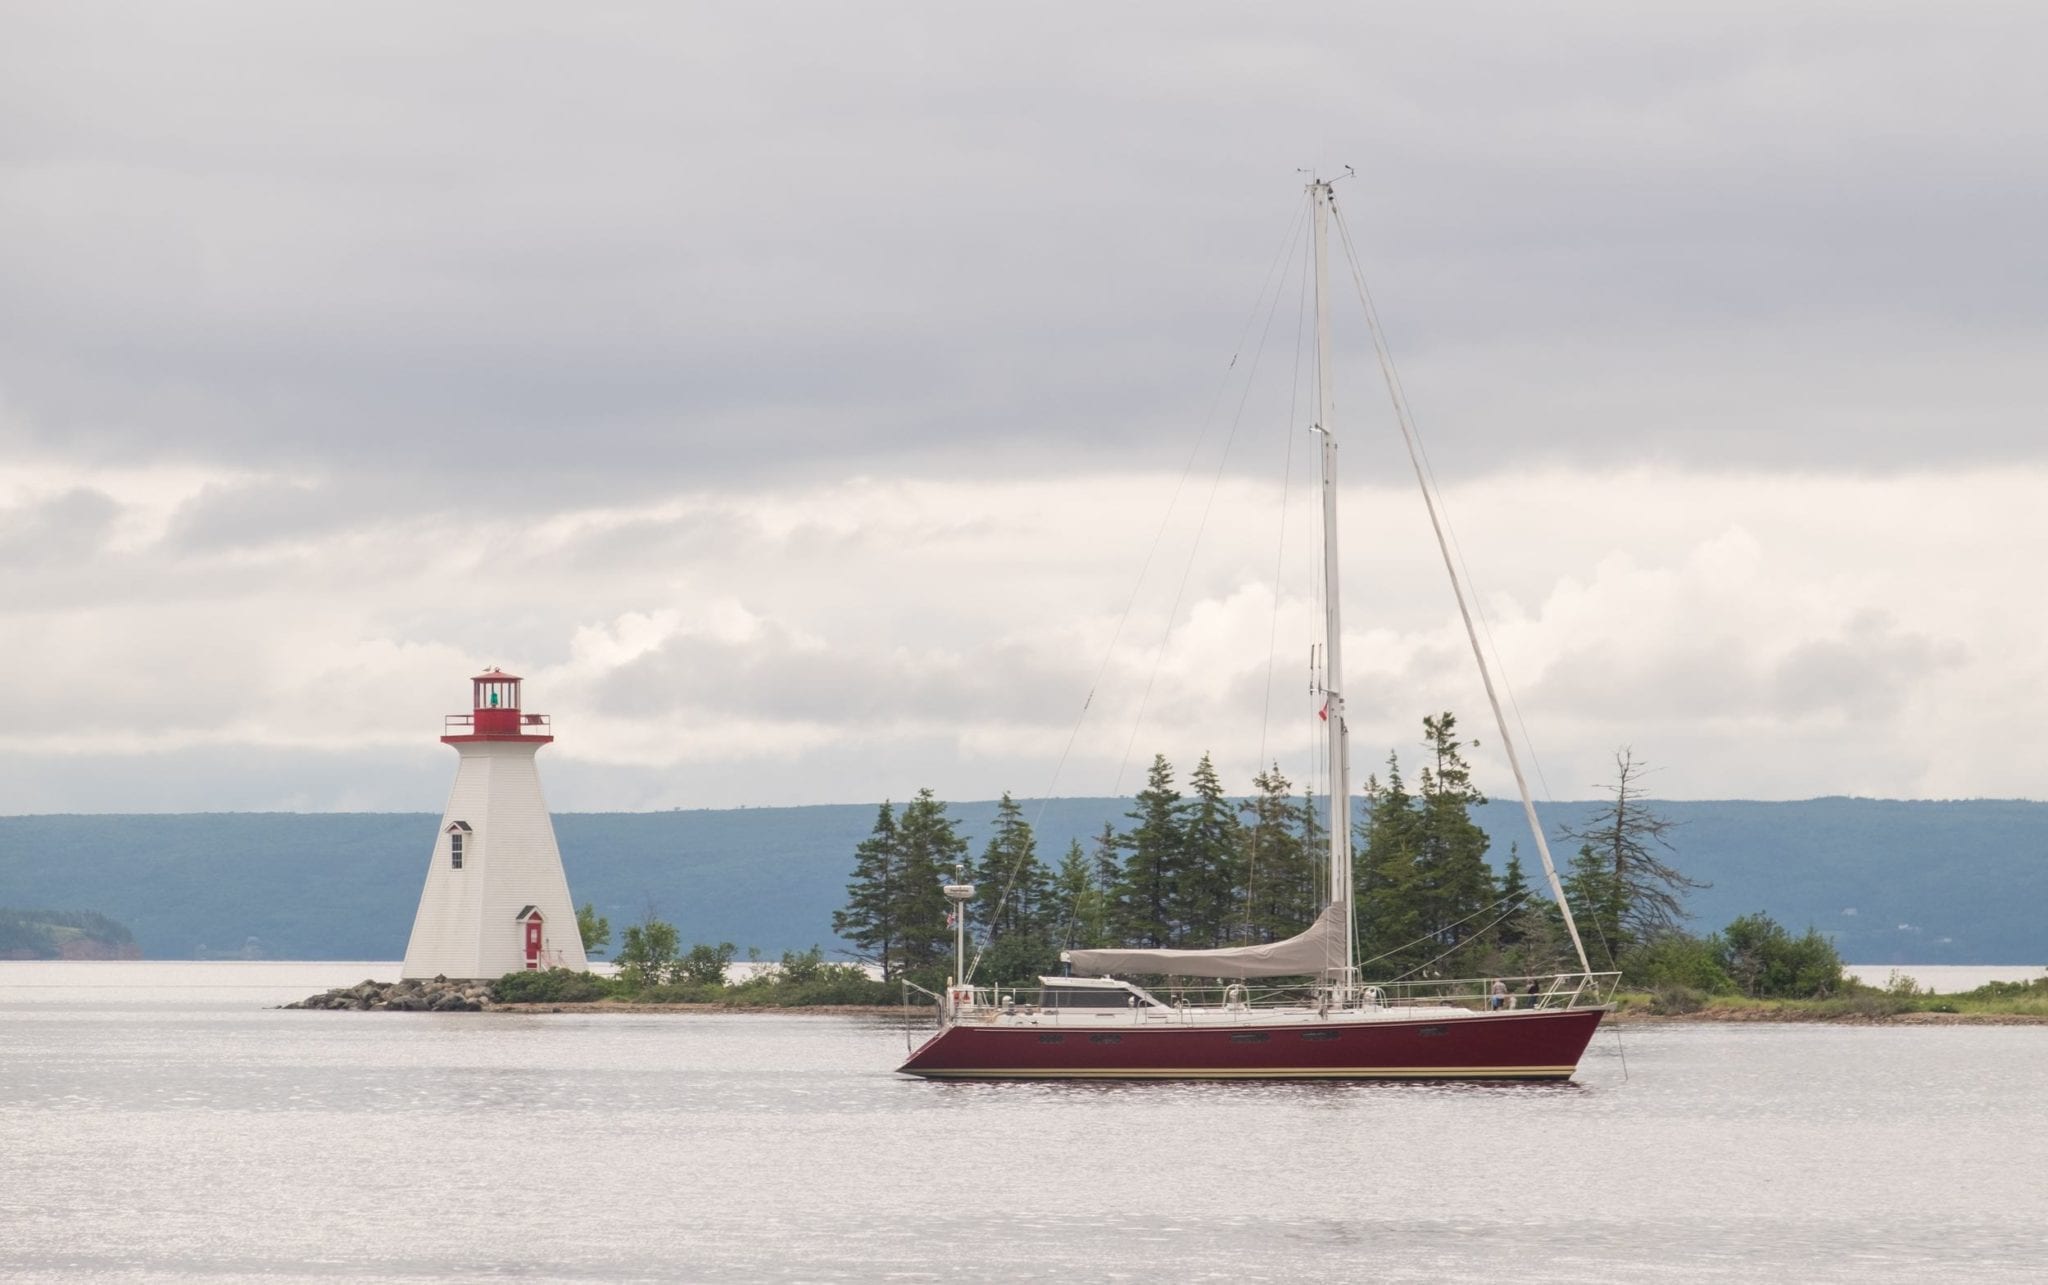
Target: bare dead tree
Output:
[{"x": 1628, "y": 837}]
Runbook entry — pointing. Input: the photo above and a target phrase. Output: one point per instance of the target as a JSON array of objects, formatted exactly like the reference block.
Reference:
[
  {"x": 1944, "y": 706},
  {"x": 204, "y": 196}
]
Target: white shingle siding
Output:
[{"x": 465, "y": 926}]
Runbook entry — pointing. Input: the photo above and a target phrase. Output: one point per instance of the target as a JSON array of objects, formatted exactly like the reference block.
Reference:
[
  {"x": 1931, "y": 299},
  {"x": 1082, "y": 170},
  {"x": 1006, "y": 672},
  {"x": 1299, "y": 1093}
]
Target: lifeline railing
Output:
[{"x": 1169, "y": 1001}]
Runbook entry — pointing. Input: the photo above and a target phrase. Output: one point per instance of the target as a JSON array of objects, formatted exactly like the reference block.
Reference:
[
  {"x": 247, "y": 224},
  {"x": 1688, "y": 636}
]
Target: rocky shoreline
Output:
[{"x": 409, "y": 996}]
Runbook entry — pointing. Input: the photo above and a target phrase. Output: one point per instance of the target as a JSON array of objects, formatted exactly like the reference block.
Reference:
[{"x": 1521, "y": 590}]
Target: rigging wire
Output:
[
  {"x": 1432, "y": 501},
  {"x": 1279, "y": 575},
  {"x": 1436, "y": 934},
  {"x": 1274, "y": 268},
  {"x": 1468, "y": 941},
  {"x": 1195, "y": 546}
]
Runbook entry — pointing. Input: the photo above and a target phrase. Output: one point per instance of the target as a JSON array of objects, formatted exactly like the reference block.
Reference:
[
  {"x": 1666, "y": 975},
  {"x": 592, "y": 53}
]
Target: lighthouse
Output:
[{"x": 496, "y": 900}]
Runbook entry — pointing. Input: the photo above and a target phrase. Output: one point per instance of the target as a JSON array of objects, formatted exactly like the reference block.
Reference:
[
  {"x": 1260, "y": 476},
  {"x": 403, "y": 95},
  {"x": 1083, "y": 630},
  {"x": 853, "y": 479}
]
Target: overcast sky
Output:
[{"x": 796, "y": 394}]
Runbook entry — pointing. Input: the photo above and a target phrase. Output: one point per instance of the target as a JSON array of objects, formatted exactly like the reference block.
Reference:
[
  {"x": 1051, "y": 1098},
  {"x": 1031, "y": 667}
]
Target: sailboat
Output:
[{"x": 1337, "y": 1025}]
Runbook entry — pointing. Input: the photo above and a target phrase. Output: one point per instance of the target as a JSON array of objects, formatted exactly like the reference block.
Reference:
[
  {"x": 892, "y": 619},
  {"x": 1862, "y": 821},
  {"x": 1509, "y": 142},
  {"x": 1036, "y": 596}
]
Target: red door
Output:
[{"x": 533, "y": 941}]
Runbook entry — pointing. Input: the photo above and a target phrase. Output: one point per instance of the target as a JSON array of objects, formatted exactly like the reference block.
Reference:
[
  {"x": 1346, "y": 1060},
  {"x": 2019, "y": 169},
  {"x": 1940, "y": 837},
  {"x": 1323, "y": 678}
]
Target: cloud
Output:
[
  {"x": 348, "y": 250},
  {"x": 794, "y": 396},
  {"x": 889, "y": 634},
  {"x": 62, "y": 529}
]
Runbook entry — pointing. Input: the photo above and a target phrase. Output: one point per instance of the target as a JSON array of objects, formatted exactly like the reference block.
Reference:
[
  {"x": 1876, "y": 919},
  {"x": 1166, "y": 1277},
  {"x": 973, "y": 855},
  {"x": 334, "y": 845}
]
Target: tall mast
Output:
[{"x": 1321, "y": 197}]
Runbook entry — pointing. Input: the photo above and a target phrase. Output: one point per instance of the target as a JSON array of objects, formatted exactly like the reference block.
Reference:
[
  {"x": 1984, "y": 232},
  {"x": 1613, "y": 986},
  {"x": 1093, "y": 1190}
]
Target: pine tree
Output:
[
  {"x": 932, "y": 853},
  {"x": 1279, "y": 878},
  {"x": 1109, "y": 869},
  {"x": 1391, "y": 902},
  {"x": 1079, "y": 905},
  {"x": 1598, "y": 900},
  {"x": 870, "y": 919},
  {"x": 1148, "y": 891},
  {"x": 1211, "y": 875},
  {"x": 1514, "y": 892},
  {"x": 1626, "y": 835},
  {"x": 1455, "y": 884},
  {"x": 1315, "y": 855},
  {"x": 1015, "y": 902}
]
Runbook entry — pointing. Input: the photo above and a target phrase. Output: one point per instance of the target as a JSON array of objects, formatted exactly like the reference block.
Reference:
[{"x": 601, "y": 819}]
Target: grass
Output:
[{"x": 1903, "y": 996}]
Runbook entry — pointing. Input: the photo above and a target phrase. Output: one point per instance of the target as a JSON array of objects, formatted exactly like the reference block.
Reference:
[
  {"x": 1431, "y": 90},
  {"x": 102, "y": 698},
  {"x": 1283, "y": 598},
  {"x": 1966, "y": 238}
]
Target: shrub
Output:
[
  {"x": 1678, "y": 999},
  {"x": 649, "y": 953},
  {"x": 555, "y": 985},
  {"x": 1678, "y": 960},
  {"x": 702, "y": 965},
  {"x": 1768, "y": 962}
]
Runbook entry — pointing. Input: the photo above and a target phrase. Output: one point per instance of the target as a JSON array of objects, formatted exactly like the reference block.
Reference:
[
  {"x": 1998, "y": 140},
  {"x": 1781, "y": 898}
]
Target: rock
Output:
[{"x": 408, "y": 995}]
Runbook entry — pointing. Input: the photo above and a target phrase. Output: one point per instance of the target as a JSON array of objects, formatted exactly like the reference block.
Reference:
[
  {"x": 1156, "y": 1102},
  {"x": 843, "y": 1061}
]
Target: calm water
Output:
[{"x": 157, "y": 1122}]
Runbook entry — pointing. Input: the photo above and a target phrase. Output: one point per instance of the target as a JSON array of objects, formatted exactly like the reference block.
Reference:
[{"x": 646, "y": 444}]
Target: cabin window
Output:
[
  {"x": 1431, "y": 1030},
  {"x": 1051, "y": 1039},
  {"x": 1250, "y": 1037},
  {"x": 1105, "y": 1039},
  {"x": 1319, "y": 1035},
  {"x": 1076, "y": 997}
]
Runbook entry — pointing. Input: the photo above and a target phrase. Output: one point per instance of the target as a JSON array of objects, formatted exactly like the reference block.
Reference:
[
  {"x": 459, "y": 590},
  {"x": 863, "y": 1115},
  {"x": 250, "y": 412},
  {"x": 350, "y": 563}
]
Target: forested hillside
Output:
[{"x": 1892, "y": 881}]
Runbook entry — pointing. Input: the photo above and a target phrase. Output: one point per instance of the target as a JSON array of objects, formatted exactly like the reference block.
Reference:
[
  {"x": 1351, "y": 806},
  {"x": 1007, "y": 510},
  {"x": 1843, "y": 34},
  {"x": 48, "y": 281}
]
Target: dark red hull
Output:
[{"x": 1543, "y": 1044}]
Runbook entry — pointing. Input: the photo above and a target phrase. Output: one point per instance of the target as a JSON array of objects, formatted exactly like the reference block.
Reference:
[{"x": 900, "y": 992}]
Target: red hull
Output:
[{"x": 1535, "y": 1045}]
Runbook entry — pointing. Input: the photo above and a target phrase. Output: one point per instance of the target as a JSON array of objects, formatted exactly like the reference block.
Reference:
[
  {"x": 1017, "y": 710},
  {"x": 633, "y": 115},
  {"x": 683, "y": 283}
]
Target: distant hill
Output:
[
  {"x": 63, "y": 934},
  {"x": 1905, "y": 882}
]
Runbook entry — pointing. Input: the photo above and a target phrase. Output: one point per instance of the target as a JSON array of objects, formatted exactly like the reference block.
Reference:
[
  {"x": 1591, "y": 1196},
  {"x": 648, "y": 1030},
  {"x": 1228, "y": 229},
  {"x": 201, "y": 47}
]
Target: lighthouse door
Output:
[{"x": 533, "y": 940}]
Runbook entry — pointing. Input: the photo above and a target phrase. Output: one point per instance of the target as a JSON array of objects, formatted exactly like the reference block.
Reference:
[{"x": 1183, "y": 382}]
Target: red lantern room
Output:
[{"x": 495, "y": 714}]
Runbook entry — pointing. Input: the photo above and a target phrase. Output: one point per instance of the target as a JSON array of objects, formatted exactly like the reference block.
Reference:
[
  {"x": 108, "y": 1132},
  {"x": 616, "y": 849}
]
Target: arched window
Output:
[{"x": 458, "y": 839}]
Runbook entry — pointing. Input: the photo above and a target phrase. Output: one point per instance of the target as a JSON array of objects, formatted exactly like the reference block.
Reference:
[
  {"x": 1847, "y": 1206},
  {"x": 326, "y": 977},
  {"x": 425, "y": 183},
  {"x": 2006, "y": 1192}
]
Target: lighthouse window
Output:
[{"x": 455, "y": 850}]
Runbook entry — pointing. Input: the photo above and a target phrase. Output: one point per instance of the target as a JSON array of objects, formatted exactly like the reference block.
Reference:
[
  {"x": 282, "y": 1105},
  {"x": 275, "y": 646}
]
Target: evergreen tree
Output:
[
  {"x": 1017, "y": 913},
  {"x": 1109, "y": 869},
  {"x": 932, "y": 852},
  {"x": 1315, "y": 856},
  {"x": 1454, "y": 883},
  {"x": 1148, "y": 891},
  {"x": 1514, "y": 892},
  {"x": 1211, "y": 876},
  {"x": 1390, "y": 897},
  {"x": 1009, "y": 861},
  {"x": 871, "y": 917},
  {"x": 1598, "y": 900},
  {"x": 1627, "y": 835},
  {"x": 1080, "y": 922},
  {"x": 1279, "y": 877}
]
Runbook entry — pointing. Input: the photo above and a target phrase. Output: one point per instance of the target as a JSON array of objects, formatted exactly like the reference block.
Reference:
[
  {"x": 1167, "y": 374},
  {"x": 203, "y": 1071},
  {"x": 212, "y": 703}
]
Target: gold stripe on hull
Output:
[{"x": 1262, "y": 1073}]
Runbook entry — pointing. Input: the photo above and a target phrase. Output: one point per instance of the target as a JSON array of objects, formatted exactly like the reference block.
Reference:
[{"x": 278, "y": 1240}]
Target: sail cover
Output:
[{"x": 1320, "y": 949}]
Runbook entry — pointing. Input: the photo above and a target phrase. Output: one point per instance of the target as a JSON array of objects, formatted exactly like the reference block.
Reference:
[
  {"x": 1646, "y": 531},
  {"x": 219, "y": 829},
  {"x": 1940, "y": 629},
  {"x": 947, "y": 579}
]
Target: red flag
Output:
[{"x": 1324, "y": 712}]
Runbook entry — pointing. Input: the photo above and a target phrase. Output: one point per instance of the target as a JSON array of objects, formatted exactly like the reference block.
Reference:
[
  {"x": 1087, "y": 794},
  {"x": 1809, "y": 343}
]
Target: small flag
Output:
[{"x": 1324, "y": 712}]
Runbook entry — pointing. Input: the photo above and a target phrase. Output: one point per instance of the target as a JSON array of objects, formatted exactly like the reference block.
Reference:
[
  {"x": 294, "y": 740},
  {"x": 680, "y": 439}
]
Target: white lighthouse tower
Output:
[{"x": 496, "y": 899}]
